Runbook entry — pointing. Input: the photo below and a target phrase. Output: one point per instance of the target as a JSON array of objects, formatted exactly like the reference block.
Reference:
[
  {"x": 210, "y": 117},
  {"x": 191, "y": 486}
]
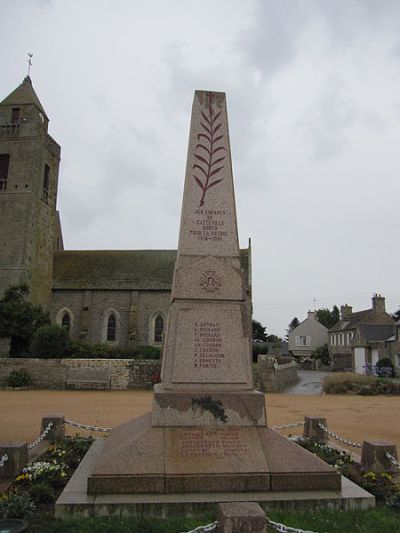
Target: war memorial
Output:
[{"x": 206, "y": 439}]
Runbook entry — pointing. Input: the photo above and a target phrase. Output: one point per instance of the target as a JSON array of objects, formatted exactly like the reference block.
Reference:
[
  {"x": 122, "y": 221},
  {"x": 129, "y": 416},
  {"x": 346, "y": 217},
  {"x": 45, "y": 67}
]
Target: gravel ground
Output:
[{"x": 355, "y": 417}]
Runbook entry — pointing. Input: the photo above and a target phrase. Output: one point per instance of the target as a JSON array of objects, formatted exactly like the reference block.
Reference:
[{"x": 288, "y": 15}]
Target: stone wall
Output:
[
  {"x": 273, "y": 377},
  {"x": 51, "y": 373}
]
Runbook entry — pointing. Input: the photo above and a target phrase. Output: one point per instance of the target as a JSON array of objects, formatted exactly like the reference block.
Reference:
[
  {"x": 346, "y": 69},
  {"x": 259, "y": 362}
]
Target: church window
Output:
[
  {"x": 4, "y": 162},
  {"x": 46, "y": 178},
  {"x": 111, "y": 328},
  {"x": 158, "y": 328},
  {"x": 15, "y": 115},
  {"x": 66, "y": 321}
]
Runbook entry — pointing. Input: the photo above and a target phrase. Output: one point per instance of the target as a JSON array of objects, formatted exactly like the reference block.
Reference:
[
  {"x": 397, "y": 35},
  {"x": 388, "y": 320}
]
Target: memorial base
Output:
[{"x": 139, "y": 458}]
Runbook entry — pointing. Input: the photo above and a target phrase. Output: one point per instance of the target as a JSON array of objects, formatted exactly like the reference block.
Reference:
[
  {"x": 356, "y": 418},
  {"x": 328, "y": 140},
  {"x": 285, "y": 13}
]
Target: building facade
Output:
[
  {"x": 307, "y": 336},
  {"x": 358, "y": 339},
  {"x": 115, "y": 297}
]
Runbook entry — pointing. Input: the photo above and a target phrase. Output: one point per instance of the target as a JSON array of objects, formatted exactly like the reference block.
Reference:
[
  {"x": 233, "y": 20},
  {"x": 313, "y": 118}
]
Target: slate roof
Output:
[
  {"x": 353, "y": 320},
  {"x": 376, "y": 332},
  {"x": 118, "y": 269},
  {"x": 24, "y": 94}
]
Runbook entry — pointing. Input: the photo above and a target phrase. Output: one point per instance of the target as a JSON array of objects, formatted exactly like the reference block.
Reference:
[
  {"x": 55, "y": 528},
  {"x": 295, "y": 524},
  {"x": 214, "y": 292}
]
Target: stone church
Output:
[{"x": 108, "y": 296}]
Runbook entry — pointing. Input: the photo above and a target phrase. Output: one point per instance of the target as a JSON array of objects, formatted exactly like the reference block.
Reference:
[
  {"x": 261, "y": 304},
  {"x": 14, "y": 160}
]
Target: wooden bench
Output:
[{"x": 88, "y": 378}]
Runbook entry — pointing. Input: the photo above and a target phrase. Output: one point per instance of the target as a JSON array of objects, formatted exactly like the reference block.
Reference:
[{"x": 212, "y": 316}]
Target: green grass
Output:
[
  {"x": 120, "y": 525},
  {"x": 378, "y": 520}
]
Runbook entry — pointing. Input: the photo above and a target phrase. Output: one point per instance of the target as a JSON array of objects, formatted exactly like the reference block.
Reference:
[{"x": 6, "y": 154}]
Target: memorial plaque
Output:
[
  {"x": 206, "y": 346},
  {"x": 215, "y": 450}
]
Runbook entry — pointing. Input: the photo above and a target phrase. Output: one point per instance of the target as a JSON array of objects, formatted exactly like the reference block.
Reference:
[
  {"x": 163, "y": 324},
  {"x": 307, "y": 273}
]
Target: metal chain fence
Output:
[
  {"x": 86, "y": 426},
  {"x": 3, "y": 460},
  {"x": 339, "y": 438},
  {"x": 393, "y": 460},
  {"x": 288, "y": 426},
  {"x": 41, "y": 437},
  {"x": 276, "y": 526}
]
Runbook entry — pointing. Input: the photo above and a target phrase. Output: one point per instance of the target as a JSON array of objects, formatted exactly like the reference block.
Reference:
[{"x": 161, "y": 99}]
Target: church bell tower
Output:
[{"x": 29, "y": 164}]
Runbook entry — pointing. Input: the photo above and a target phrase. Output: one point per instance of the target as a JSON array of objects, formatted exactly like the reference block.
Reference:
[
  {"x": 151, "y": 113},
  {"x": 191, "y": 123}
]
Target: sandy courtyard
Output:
[{"x": 355, "y": 417}]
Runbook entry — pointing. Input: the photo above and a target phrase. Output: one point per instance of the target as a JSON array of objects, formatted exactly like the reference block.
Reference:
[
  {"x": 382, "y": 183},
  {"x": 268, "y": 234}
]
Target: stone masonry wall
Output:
[
  {"x": 273, "y": 377},
  {"x": 51, "y": 373}
]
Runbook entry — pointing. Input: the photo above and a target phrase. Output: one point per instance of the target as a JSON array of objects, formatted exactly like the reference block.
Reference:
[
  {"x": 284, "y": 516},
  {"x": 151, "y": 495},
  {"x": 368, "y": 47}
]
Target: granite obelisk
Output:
[{"x": 207, "y": 431}]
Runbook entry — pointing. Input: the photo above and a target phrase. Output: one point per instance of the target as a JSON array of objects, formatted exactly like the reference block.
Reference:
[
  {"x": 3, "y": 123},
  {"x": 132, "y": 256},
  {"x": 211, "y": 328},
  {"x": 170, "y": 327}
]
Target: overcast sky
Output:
[{"x": 313, "y": 90}]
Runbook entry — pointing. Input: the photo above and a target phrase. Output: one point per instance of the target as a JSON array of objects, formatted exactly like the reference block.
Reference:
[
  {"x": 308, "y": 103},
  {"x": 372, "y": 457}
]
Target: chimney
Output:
[
  {"x": 378, "y": 304},
  {"x": 311, "y": 314},
  {"x": 345, "y": 311}
]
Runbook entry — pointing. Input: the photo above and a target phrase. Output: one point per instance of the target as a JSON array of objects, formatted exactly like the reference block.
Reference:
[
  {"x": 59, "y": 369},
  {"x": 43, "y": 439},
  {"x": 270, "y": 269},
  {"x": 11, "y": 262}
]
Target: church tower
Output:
[{"x": 29, "y": 163}]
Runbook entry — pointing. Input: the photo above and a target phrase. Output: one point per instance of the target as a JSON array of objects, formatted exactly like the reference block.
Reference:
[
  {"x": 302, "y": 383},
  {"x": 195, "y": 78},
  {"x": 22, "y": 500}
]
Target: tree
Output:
[
  {"x": 328, "y": 318},
  {"x": 322, "y": 353},
  {"x": 292, "y": 324},
  {"x": 259, "y": 331},
  {"x": 19, "y": 318}
]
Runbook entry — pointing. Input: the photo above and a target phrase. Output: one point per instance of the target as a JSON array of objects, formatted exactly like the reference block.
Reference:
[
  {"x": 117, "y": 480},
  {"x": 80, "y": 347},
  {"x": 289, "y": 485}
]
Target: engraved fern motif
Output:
[{"x": 209, "y": 153}]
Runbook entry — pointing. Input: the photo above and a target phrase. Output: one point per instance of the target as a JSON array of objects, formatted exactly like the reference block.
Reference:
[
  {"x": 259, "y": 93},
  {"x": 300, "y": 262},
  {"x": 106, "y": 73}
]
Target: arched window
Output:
[
  {"x": 66, "y": 321},
  {"x": 111, "y": 328},
  {"x": 158, "y": 328}
]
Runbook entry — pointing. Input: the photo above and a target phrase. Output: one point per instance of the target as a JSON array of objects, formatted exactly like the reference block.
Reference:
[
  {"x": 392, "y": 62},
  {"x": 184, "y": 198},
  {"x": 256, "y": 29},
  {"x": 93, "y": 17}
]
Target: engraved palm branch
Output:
[{"x": 209, "y": 152}]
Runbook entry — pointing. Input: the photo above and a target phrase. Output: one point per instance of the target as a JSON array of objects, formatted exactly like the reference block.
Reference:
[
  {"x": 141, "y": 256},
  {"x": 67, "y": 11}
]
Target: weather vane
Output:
[{"x": 29, "y": 62}]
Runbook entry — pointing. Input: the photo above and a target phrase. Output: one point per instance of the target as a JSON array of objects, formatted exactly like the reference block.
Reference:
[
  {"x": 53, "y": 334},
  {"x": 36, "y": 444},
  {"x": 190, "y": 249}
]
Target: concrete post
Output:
[
  {"x": 58, "y": 429},
  {"x": 17, "y": 458},
  {"x": 312, "y": 429},
  {"x": 374, "y": 458},
  {"x": 241, "y": 517}
]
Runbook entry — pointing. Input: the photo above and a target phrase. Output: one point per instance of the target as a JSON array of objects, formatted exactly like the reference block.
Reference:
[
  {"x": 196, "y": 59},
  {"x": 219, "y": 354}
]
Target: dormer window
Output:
[
  {"x": 15, "y": 115},
  {"x": 46, "y": 179},
  {"x": 4, "y": 162}
]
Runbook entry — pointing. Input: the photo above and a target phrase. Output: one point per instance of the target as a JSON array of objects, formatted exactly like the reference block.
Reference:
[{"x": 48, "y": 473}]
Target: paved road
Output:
[{"x": 310, "y": 382}]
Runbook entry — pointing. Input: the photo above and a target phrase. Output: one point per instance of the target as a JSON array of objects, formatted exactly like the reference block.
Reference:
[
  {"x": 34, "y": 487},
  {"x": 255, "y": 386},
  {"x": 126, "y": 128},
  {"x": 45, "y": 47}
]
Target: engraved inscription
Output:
[
  {"x": 209, "y": 225},
  {"x": 214, "y": 443},
  {"x": 208, "y": 351}
]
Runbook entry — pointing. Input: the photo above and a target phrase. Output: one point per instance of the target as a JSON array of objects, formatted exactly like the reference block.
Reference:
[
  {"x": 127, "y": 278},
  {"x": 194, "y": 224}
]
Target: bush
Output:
[
  {"x": 81, "y": 350},
  {"x": 42, "y": 493},
  {"x": 51, "y": 341},
  {"x": 19, "y": 378},
  {"x": 14, "y": 505},
  {"x": 322, "y": 353},
  {"x": 384, "y": 367},
  {"x": 350, "y": 383}
]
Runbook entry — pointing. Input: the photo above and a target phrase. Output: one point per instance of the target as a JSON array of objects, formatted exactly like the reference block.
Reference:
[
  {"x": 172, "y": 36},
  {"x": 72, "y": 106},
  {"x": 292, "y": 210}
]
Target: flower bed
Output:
[
  {"x": 37, "y": 487},
  {"x": 383, "y": 486}
]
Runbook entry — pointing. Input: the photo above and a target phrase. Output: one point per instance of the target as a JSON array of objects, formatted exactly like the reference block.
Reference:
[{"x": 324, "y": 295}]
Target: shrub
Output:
[
  {"x": 14, "y": 505},
  {"x": 350, "y": 383},
  {"x": 322, "y": 353},
  {"x": 51, "y": 341},
  {"x": 19, "y": 378},
  {"x": 384, "y": 367},
  {"x": 147, "y": 352},
  {"x": 81, "y": 350},
  {"x": 42, "y": 493}
]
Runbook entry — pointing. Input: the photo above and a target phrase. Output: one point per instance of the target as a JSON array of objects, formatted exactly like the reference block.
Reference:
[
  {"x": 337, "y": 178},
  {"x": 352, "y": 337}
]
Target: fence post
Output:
[
  {"x": 312, "y": 429},
  {"x": 17, "y": 458},
  {"x": 374, "y": 458},
  {"x": 241, "y": 517},
  {"x": 57, "y": 430}
]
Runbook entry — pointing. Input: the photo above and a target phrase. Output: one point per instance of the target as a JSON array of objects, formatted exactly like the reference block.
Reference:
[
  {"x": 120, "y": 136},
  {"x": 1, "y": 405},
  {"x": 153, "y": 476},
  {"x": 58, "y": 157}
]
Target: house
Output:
[
  {"x": 358, "y": 339},
  {"x": 307, "y": 336}
]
